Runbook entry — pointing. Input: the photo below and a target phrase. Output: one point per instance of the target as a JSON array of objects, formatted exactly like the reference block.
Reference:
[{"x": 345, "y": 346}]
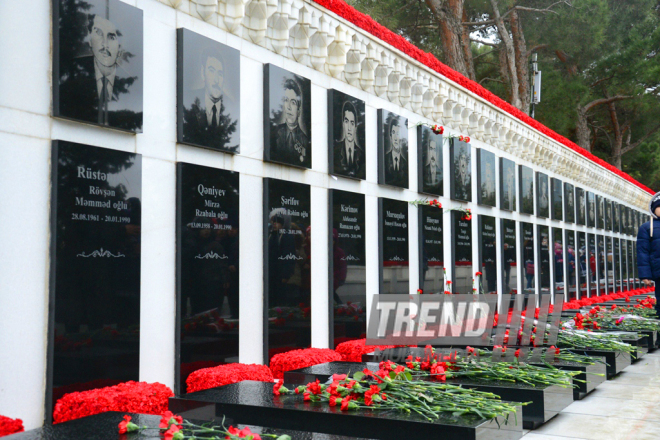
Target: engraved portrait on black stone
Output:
[
  {"x": 600, "y": 212},
  {"x": 97, "y": 63},
  {"x": 287, "y": 117},
  {"x": 393, "y": 246},
  {"x": 616, "y": 217},
  {"x": 608, "y": 215},
  {"x": 429, "y": 149},
  {"x": 542, "y": 195},
  {"x": 486, "y": 177},
  {"x": 208, "y": 97},
  {"x": 571, "y": 265},
  {"x": 526, "y": 190},
  {"x": 581, "y": 206},
  {"x": 591, "y": 209},
  {"x": 460, "y": 168},
  {"x": 208, "y": 267},
  {"x": 392, "y": 149},
  {"x": 558, "y": 260},
  {"x": 569, "y": 203},
  {"x": 507, "y": 184},
  {"x": 557, "y": 199},
  {"x": 96, "y": 222},
  {"x": 346, "y": 135}
]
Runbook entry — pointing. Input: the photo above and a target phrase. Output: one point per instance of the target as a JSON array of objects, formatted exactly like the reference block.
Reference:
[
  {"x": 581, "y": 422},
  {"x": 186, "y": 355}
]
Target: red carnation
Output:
[
  {"x": 460, "y": 138},
  {"x": 127, "y": 426},
  {"x": 174, "y": 433},
  {"x": 168, "y": 418},
  {"x": 478, "y": 274},
  {"x": 467, "y": 139}
]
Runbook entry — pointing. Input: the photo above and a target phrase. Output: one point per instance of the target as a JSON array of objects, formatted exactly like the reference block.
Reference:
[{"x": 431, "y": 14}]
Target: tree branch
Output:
[
  {"x": 536, "y": 49},
  {"x": 491, "y": 79},
  {"x": 485, "y": 53},
  {"x": 601, "y": 80},
  {"x": 476, "y": 40},
  {"x": 640, "y": 140},
  {"x": 601, "y": 101},
  {"x": 542, "y": 11}
]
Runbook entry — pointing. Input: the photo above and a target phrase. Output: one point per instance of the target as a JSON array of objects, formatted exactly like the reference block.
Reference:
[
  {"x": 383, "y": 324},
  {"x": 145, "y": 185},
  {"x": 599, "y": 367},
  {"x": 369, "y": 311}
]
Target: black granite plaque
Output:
[
  {"x": 486, "y": 178},
  {"x": 542, "y": 195},
  {"x": 558, "y": 259},
  {"x": 460, "y": 170},
  {"x": 557, "y": 199},
  {"x": 346, "y": 136},
  {"x": 392, "y": 149},
  {"x": 616, "y": 217},
  {"x": 591, "y": 210},
  {"x": 629, "y": 214},
  {"x": 287, "y": 117},
  {"x": 526, "y": 190},
  {"x": 97, "y": 63},
  {"x": 393, "y": 249},
  {"x": 608, "y": 215},
  {"x": 572, "y": 265},
  {"x": 638, "y": 282},
  {"x": 431, "y": 255},
  {"x": 431, "y": 154},
  {"x": 569, "y": 203},
  {"x": 544, "y": 258},
  {"x": 583, "y": 262},
  {"x": 624, "y": 219},
  {"x": 208, "y": 93},
  {"x": 95, "y": 268},
  {"x": 600, "y": 212},
  {"x": 487, "y": 255},
  {"x": 507, "y": 184},
  {"x": 207, "y": 268},
  {"x": 461, "y": 245},
  {"x": 609, "y": 268},
  {"x": 287, "y": 266},
  {"x": 624, "y": 265},
  {"x": 617, "y": 265},
  {"x": 580, "y": 206},
  {"x": 528, "y": 268},
  {"x": 601, "y": 258},
  {"x": 510, "y": 263},
  {"x": 347, "y": 267},
  {"x": 592, "y": 265},
  {"x": 631, "y": 266}
]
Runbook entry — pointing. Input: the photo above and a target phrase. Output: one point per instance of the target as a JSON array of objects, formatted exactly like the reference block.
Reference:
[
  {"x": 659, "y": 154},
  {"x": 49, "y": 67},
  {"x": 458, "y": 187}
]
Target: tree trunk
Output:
[
  {"x": 522, "y": 62},
  {"x": 467, "y": 49},
  {"x": 510, "y": 55},
  {"x": 504, "y": 71},
  {"x": 582, "y": 129},
  {"x": 618, "y": 136},
  {"x": 449, "y": 15}
]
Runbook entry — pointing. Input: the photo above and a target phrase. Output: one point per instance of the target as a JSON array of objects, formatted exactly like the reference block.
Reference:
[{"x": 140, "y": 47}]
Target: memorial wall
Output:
[{"x": 187, "y": 184}]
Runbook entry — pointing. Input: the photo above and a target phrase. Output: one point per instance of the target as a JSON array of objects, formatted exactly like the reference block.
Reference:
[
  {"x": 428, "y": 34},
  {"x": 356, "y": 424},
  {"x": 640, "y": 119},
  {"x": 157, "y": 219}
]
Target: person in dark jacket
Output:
[{"x": 648, "y": 249}]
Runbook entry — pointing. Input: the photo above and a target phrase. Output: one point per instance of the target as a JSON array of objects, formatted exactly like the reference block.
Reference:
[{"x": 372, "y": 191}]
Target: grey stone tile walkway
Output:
[{"x": 624, "y": 408}]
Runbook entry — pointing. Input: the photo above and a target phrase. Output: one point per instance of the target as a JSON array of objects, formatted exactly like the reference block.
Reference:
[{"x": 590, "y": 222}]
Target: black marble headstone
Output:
[
  {"x": 608, "y": 215},
  {"x": 431, "y": 252},
  {"x": 393, "y": 248},
  {"x": 569, "y": 203},
  {"x": 207, "y": 268},
  {"x": 542, "y": 195},
  {"x": 616, "y": 217},
  {"x": 592, "y": 264},
  {"x": 528, "y": 268},
  {"x": 591, "y": 210},
  {"x": 601, "y": 258},
  {"x": 488, "y": 255},
  {"x": 95, "y": 268},
  {"x": 460, "y": 170},
  {"x": 461, "y": 245},
  {"x": 583, "y": 262},
  {"x": 600, "y": 212},
  {"x": 631, "y": 266},
  {"x": 617, "y": 264},
  {"x": 526, "y": 190},
  {"x": 430, "y": 153},
  {"x": 544, "y": 258},
  {"x": 557, "y": 199},
  {"x": 624, "y": 265},
  {"x": 580, "y": 206},
  {"x": 510, "y": 263},
  {"x": 507, "y": 184},
  {"x": 287, "y": 266},
  {"x": 558, "y": 258},
  {"x": 393, "y": 157},
  {"x": 346, "y": 136},
  {"x": 572, "y": 265},
  {"x": 486, "y": 178},
  {"x": 347, "y": 267},
  {"x": 610, "y": 277}
]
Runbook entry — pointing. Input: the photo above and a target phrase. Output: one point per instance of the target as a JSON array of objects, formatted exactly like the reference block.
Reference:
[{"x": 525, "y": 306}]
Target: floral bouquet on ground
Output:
[
  {"x": 587, "y": 340},
  {"x": 601, "y": 318},
  {"x": 393, "y": 387}
]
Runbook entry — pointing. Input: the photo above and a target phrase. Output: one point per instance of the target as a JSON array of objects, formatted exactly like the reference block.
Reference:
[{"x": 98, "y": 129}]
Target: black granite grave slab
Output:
[
  {"x": 545, "y": 402},
  {"x": 393, "y": 246},
  {"x": 589, "y": 377},
  {"x": 431, "y": 252},
  {"x": 616, "y": 360},
  {"x": 104, "y": 426},
  {"x": 251, "y": 402}
]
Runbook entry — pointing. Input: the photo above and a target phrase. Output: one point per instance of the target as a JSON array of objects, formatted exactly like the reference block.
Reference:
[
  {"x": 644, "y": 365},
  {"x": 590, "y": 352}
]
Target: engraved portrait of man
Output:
[
  {"x": 348, "y": 148},
  {"x": 394, "y": 135},
  {"x": 461, "y": 172}
]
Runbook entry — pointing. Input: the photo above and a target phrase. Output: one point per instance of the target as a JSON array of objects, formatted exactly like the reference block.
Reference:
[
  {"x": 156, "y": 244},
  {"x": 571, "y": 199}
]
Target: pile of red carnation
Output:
[
  {"x": 352, "y": 351},
  {"x": 10, "y": 426},
  {"x": 135, "y": 397},
  {"x": 227, "y": 374},
  {"x": 295, "y": 359}
]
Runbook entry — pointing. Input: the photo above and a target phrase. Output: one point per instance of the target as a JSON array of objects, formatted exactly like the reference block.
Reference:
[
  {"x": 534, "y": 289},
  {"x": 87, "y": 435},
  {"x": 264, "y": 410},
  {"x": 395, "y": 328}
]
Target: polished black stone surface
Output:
[
  {"x": 393, "y": 160},
  {"x": 526, "y": 190},
  {"x": 572, "y": 264},
  {"x": 252, "y": 402},
  {"x": 616, "y": 360},
  {"x": 608, "y": 215},
  {"x": 582, "y": 257},
  {"x": 431, "y": 225},
  {"x": 347, "y": 267},
  {"x": 461, "y": 245},
  {"x": 487, "y": 255},
  {"x": 287, "y": 117},
  {"x": 105, "y": 427},
  {"x": 508, "y": 187},
  {"x": 430, "y": 170},
  {"x": 558, "y": 257},
  {"x": 393, "y": 245},
  {"x": 287, "y": 266},
  {"x": 89, "y": 34},
  {"x": 591, "y": 210},
  {"x": 95, "y": 267},
  {"x": 557, "y": 199},
  {"x": 208, "y": 105},
  {"x": 542, "y": 195},
  {"x": 460, "y": 170},
  {"x": 510, "y": 259},
  {"x": 528, "y": 266},
  {"x": 589, "y": 377},
  {"x": 569, "y": 203},
  {"x": 600, "y": 212},
  {"x": 207, "y": 260},
  {"x": 346, "y": 136},
  {"x": 544, "y": 258},
  {"x": 486, "y": 187},
  {"x": 580, "y": 206}
]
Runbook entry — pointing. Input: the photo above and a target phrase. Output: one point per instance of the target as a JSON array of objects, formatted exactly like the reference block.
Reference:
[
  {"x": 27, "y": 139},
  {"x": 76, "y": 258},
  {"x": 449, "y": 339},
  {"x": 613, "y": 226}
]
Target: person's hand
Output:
[{"x": 647, "y": 283}]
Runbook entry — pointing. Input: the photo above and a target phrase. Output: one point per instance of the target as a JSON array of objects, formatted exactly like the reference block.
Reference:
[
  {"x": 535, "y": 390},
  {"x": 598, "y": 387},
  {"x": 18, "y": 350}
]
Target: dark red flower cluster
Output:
[
  {"x": 10, "y": 426},
  {"x": 227, "y": 374},
  {"x": 467, "y": 216},
  {"x": 135, "y": 397},
  {"x": 465, "y": 139},
  {"x": 295, "y": 359},
  {"x": 352, "y": 351},
  {"x": 438, "y": 129},
  {"x": 586, "y": 302},
  {"x": 59, "y": 392},
  {"x": 379, "y": 31},
  {"x": 435, "y": 203},
  {"x": 429, "y": 362}
]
